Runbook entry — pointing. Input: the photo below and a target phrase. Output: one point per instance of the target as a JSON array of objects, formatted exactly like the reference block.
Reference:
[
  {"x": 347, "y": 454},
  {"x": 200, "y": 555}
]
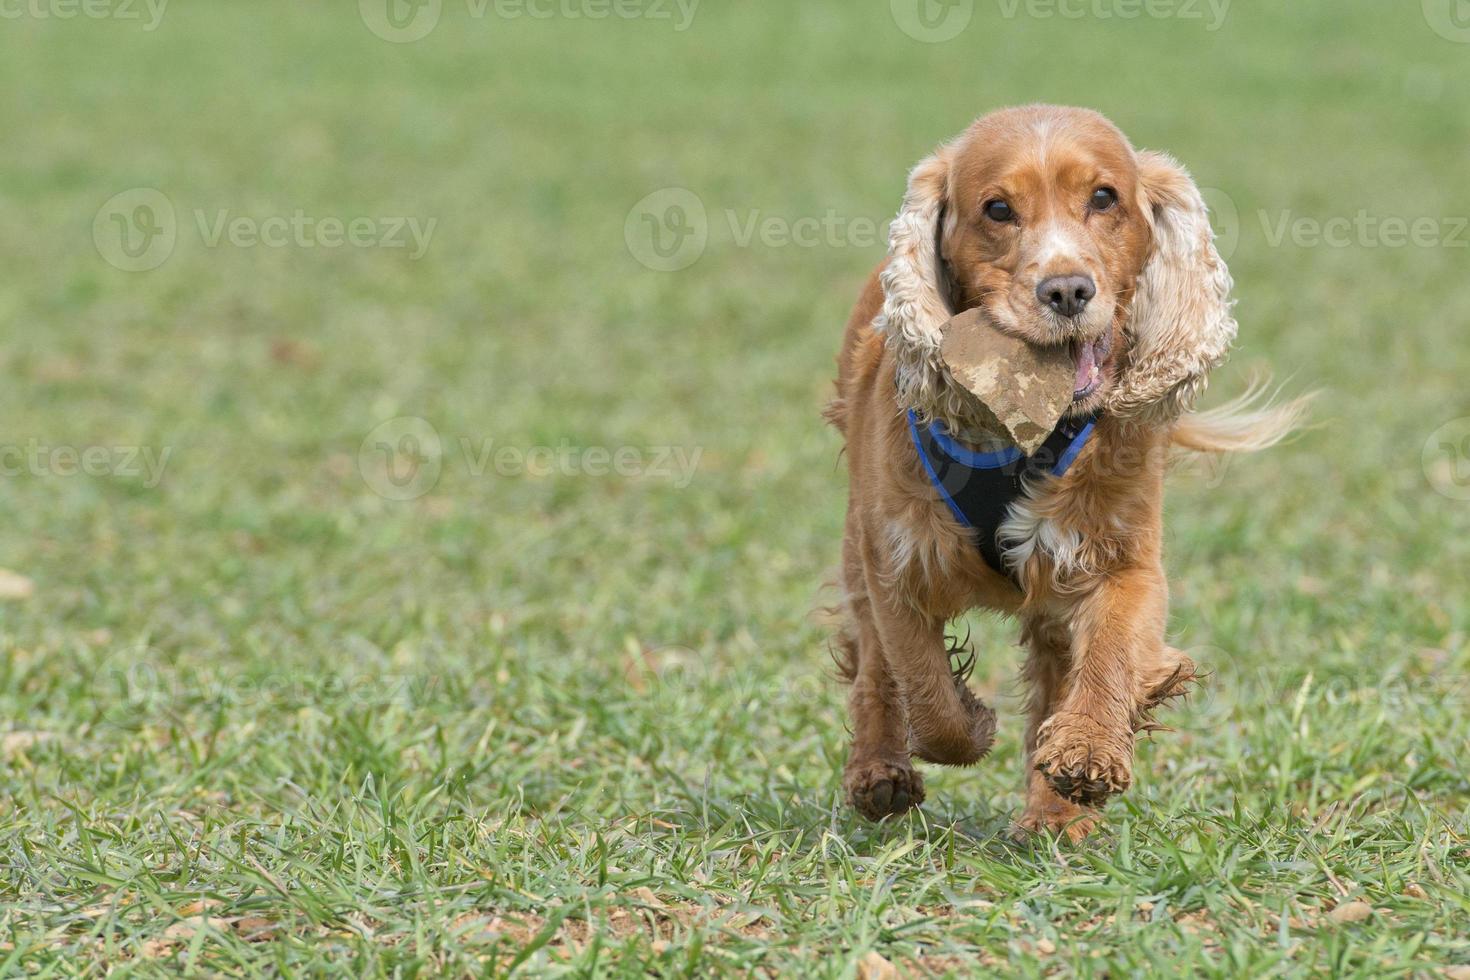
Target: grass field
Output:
[{"x": 407, "y": 575}]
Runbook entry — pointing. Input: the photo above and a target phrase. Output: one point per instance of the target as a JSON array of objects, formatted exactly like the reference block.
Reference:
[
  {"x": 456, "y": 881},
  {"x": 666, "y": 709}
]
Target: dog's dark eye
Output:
[
  {"x": 999, "y": 211},
  {"x": 1103, "y": 198}
]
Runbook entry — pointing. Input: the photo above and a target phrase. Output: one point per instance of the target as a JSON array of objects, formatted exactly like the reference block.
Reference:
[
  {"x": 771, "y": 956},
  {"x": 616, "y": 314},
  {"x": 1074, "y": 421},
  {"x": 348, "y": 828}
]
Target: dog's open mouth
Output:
[{"x": 1092, "y": 359}]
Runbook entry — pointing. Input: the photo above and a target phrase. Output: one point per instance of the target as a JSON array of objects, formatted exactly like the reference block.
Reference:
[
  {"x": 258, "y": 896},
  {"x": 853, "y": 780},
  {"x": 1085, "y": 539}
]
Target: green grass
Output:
[{"x": 259, "y": 718}]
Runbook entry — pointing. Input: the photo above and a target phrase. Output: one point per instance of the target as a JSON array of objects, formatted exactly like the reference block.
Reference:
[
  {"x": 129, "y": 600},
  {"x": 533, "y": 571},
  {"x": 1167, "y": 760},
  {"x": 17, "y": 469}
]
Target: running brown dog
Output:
[{"x": 1050, "y": 222}]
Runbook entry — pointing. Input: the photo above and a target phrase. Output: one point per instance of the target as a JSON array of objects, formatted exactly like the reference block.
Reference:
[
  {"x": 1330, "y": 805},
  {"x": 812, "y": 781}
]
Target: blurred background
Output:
[{"x": 414, "y": 496}]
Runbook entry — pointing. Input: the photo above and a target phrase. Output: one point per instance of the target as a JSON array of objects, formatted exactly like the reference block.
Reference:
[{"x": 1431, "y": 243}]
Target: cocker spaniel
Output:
[{"x": 1047, "y": 220}]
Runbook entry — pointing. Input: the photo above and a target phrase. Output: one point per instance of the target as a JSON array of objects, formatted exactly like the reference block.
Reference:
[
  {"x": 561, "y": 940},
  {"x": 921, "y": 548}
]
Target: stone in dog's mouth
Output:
[{"x": 1092, "y": 358}]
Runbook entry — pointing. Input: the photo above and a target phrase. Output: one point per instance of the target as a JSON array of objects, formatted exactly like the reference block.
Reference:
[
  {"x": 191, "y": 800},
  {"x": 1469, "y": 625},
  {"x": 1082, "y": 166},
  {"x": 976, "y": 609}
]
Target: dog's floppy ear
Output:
[
  {"x": 1180, "y": 324},
  {"x": 916, "y": 302}
]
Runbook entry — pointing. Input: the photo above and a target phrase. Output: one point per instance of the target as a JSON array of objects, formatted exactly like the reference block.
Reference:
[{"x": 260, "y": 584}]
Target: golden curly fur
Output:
[{"x": 1085, "y": 547}]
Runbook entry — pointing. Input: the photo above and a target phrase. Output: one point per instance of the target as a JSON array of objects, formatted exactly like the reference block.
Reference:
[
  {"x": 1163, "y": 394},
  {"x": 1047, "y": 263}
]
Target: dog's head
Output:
[{"x": 1048, "y": 220}]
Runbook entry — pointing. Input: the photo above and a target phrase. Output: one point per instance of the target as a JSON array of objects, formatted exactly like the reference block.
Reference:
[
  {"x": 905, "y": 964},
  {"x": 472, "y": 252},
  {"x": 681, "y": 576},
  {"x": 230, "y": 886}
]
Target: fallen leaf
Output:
[
  {"x": 14, "y": 586},
  {"x": 1351, "y": 912},
  {"x": 12, "y": 742},
  {"x": 196, "y": 907},
  {"x": 186, "y": 928},
  {"x": 254, "y": 928},
  {"x": 287, "y": 351},
  {"x": 875, "y": 967},
  {"x": 153, "y": 949},
  {"x": 645, "y": 896}
]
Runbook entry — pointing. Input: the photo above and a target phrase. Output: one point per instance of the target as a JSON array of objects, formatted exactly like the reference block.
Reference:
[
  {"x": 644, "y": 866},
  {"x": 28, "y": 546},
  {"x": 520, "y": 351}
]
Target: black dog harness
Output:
[{"x": 980, "y": 487}]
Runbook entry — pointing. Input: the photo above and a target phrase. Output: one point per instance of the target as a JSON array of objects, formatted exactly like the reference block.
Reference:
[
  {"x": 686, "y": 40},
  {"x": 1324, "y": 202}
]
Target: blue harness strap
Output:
[{"x": 980, "y": 488}]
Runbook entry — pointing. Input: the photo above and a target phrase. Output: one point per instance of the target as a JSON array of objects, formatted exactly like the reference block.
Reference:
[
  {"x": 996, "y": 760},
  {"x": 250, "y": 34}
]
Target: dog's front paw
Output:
[
  {"x": 882, "y": 789},
  {"x": 1082, "y": 760},
  {"x": 954, "y": 745}
]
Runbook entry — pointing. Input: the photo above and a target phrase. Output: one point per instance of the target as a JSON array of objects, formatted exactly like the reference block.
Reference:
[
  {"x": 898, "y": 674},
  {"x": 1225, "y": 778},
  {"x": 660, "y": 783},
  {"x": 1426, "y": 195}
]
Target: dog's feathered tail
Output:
[{"x": 1249, "y": 423}]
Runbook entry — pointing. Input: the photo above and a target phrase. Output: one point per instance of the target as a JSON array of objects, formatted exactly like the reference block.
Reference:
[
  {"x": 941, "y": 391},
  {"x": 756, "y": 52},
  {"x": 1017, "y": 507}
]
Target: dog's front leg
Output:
[
  {"x": 1085, "y": 749},
  {"x": 947, "y": 723}
]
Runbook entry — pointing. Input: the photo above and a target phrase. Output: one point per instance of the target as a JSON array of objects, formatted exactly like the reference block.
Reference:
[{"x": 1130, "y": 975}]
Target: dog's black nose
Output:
[{"x": 1068, "y": 295}]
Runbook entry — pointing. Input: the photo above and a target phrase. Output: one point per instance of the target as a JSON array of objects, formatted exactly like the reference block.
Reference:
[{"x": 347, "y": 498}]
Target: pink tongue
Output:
[{"x": 1086, "y": 358}]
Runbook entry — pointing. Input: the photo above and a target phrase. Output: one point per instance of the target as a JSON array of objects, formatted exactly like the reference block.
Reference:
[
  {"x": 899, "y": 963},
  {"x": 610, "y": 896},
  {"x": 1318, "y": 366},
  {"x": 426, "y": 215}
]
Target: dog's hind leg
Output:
[
  {"x": 1046, "y": 670},
  {"x": 879, "y": 778}
]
